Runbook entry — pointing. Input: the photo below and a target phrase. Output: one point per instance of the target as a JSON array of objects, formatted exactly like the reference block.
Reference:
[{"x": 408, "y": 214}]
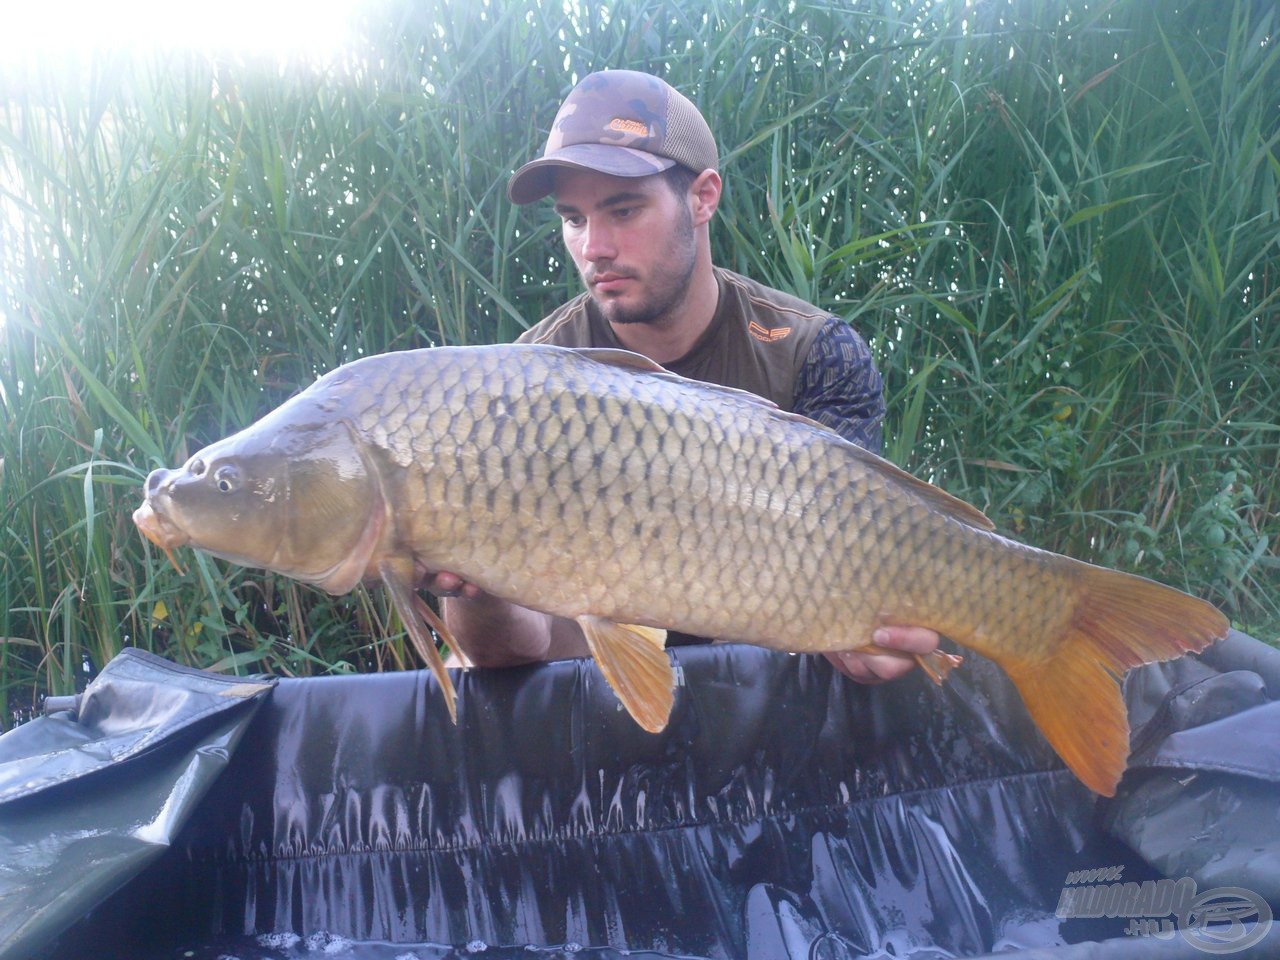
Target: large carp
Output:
[{"x": 594, "y": 485}]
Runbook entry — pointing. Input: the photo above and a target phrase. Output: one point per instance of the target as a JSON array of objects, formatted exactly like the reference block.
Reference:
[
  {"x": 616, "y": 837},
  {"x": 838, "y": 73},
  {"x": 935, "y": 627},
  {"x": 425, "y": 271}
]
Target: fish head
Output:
[{"x": 299, "y": 499}]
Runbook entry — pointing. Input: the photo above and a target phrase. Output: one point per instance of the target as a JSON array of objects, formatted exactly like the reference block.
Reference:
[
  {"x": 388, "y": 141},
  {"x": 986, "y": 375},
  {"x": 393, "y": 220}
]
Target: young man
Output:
[{"x": 632, "y": 167}]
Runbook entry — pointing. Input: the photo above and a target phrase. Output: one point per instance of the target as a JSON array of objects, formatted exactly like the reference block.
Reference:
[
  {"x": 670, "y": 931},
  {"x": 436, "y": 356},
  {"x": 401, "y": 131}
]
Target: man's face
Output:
[{"x": 632, "y": 240}]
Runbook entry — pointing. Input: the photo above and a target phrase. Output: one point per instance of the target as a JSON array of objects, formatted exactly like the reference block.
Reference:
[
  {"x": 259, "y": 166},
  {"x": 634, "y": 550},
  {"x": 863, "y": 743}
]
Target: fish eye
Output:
[
  {"x": 196, "y": 467},
  {"x": 226, "y": 478}
]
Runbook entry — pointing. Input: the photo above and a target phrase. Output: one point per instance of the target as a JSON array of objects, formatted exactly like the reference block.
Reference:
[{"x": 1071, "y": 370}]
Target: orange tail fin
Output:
[{"x": 1073, "y": 692}]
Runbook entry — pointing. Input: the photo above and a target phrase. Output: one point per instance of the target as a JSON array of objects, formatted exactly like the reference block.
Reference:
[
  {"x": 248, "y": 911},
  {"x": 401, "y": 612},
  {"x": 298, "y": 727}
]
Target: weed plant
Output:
[{"x": 1056, "y": 223}]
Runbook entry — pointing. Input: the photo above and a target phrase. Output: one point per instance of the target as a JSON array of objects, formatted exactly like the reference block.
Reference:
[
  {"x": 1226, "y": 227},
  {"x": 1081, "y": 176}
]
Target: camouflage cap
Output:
[{"x": 623, "y": 123}]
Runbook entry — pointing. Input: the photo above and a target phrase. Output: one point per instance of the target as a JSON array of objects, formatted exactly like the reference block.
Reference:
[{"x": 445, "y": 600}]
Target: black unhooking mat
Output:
[{"x": 785, "y": 812}]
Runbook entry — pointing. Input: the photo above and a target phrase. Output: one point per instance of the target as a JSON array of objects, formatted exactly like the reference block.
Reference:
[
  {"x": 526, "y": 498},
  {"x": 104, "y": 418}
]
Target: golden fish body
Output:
[
  {"x": 596, "y": 486},
  {"x": 578, "y": 487}
]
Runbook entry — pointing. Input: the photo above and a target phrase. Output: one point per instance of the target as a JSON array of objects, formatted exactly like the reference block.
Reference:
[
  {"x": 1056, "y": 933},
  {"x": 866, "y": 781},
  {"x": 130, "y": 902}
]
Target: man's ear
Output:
[{"x": 705, "y": 194}]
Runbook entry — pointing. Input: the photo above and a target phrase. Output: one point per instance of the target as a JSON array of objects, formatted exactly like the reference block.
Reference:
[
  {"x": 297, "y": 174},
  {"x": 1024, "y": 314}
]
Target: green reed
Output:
[{"x": 1057, "y": 225}]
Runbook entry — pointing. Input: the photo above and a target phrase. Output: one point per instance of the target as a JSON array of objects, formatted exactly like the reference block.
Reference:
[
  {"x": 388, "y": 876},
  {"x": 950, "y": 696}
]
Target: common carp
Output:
[{"x": 594, "y": 485}]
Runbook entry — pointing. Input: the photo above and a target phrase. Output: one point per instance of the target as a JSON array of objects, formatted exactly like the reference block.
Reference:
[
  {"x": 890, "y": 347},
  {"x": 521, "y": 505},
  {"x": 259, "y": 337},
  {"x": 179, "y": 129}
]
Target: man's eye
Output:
[{"x": 572, "y": 221}]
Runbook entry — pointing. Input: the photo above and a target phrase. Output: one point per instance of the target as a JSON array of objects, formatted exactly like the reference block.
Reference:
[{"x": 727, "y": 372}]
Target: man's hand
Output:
[
  {"x": 879, "y": 667},
  {"x": 445, "y": 584},
  {"x": 494, "y": 633}
]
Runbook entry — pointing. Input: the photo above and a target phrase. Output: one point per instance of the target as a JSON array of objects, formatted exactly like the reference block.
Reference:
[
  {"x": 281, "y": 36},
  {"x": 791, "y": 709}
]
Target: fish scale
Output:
[{"x": 594, "y": 485}]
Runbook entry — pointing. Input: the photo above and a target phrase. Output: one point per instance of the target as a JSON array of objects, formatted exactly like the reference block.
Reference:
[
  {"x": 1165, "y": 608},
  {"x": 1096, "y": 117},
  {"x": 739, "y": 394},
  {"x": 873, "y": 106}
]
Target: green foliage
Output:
[{"x": 1056, "y": 223}]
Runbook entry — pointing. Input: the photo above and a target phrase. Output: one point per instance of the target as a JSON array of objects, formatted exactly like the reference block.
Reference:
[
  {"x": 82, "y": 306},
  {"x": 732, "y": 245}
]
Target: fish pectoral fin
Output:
[
  {"x": 441, "y": 628},
  {"x": 634, "y": 661},
  {"x": 416, "y": 616}
]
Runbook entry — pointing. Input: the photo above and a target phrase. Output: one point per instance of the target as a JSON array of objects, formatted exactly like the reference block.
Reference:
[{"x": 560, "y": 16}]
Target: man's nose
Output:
[{"x": 598, "y": 242}]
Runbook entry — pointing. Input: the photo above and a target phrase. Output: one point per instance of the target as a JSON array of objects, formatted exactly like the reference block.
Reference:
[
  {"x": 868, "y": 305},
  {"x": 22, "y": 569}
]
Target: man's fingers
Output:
[
  {"x": 446, "y": 584},
  {"x": 871, "y": 667},
  {"x": 879, "y": 667},
  {"x": 913, "y": 640}
]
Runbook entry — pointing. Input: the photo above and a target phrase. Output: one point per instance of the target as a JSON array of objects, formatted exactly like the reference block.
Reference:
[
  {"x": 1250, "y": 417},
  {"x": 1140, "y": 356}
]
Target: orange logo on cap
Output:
[
  {"x": 767, "y": 335},
  {"x": 623, "y": 125}
]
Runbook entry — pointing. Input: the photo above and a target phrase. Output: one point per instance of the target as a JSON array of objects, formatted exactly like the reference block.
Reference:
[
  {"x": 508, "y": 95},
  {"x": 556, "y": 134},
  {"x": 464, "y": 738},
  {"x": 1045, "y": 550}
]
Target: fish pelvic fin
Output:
[
  {"x": 416, "y": 617},
  {"x": 634, "y": 661},
  {"x": 1073, "y": 692}
]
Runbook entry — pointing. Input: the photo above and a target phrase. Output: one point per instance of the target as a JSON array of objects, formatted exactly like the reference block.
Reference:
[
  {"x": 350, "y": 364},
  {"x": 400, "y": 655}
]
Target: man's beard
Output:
[{"x": 668, "y": 288}]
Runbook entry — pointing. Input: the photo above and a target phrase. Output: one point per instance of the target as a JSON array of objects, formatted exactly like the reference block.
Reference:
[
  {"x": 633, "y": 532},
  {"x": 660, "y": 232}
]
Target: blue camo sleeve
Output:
[{"x": 840, "y": 387}]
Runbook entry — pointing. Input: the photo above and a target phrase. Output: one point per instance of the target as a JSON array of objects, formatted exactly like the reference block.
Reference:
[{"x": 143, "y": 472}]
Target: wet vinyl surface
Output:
[
  {"x": 322, "y": 945},
  {"x": 785, "y": 812}
]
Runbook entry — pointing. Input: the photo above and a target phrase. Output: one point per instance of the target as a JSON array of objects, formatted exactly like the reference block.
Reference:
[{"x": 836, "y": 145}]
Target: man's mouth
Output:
[{"x": 609, "y": 282}]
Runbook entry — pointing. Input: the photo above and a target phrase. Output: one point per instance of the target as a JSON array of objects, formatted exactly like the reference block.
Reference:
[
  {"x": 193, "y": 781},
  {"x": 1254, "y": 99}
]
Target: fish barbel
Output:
[{"x": 594, "y": 485}]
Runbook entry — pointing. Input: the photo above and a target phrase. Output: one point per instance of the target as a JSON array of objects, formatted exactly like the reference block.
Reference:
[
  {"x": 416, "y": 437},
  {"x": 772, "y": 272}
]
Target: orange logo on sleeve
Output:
[{"x": 766, "y": 334}]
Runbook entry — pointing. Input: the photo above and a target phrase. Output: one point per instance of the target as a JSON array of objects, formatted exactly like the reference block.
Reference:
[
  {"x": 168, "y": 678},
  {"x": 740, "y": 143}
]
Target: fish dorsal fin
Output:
[
  {"x": 634, "y": 661},
  {"x": 935, "y": 497},
  {"x": 642, "y": 364},
  {"x": 620, "y": 358}
]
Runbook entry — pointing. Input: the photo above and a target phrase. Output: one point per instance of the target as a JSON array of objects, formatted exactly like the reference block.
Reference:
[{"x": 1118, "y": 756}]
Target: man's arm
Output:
[
  {"x": 494, "y": 633},
  {"x": 840, "y": 387}
]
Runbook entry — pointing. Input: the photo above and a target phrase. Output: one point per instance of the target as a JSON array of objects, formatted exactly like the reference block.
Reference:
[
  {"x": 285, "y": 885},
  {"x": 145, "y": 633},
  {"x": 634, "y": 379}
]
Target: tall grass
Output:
[{"x": 1057, "y": 224}]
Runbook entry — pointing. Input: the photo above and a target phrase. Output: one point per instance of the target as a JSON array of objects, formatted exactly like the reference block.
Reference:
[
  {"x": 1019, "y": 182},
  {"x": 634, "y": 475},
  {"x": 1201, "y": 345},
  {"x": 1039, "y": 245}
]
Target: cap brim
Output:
[{"x": 536, "y": 179}]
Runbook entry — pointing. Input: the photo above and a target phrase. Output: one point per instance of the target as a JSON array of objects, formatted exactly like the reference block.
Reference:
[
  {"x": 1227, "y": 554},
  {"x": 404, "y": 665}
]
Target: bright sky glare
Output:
[
  {"x": 70, "y": 31},
  {"x": 314, "y": 29}
]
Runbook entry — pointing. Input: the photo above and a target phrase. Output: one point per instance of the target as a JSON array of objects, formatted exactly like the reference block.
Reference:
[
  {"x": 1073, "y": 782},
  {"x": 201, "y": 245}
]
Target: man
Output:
[{"x": 632, "y": 167}]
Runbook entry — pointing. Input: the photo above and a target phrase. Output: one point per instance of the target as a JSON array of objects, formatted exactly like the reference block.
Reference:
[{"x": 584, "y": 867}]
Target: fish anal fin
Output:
[
  {"x": 634, "y": 661},
  {"x": 1072, "y": 689},
  {"x": 937, "y": 664},
  {"x": 416, "y": 615}
]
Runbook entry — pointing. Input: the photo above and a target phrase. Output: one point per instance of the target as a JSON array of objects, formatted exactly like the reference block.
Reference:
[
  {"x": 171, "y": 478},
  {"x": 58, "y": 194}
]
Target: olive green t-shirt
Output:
[{"x": 761, "y": 340}]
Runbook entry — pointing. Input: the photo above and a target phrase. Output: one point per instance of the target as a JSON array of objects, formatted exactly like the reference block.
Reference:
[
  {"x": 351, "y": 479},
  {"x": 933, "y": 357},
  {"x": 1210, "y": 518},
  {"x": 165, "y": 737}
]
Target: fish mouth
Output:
[
  {"x": 161, "y": 531},
  {"x": 158, "y": 528}
]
